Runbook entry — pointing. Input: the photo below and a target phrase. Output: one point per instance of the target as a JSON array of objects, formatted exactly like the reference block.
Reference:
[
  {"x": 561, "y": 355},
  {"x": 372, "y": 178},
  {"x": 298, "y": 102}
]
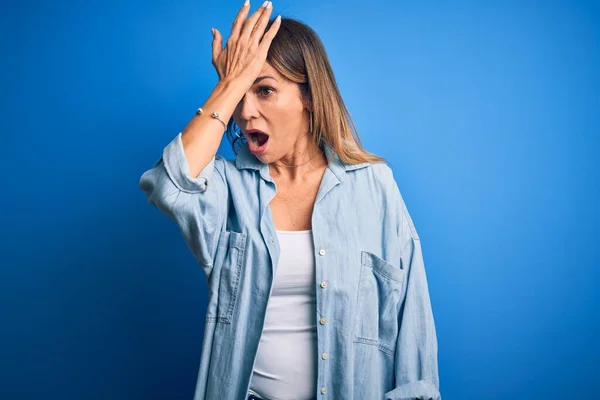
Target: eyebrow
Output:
[{"x": 260, "y": 78}]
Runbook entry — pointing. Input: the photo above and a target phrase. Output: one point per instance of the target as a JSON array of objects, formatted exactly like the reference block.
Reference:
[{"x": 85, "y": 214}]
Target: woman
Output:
[{"x": 317, "y": 287}]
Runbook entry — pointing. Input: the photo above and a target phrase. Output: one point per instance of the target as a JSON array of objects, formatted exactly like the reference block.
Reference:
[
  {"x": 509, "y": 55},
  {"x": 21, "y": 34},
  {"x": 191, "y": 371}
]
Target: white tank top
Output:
[{"x": 286, "y": 362}]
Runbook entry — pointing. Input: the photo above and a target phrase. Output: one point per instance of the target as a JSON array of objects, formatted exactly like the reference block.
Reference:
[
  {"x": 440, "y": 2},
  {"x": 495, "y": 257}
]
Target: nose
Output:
[{"x": 247, "y": 108}]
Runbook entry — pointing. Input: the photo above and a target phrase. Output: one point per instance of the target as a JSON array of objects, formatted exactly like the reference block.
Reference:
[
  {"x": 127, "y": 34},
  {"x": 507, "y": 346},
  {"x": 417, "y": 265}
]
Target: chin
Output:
[{"x": 262, "y": 157}]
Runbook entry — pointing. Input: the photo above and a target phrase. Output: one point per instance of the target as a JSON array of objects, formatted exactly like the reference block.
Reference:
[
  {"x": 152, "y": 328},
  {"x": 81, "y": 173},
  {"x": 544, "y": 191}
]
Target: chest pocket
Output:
[
  {"x": 378, "y": 302},
  {"x": 225, "y": 277}
]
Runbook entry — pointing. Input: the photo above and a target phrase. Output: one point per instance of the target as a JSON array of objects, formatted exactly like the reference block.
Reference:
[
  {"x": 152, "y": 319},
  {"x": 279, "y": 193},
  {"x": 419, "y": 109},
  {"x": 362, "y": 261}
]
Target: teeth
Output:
[{"x": 255, "y": 140}]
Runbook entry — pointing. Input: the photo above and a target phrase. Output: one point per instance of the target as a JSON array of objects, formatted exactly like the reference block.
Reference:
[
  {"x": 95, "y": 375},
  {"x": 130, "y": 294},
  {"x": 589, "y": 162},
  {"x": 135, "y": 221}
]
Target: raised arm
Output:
[{"x": 188, "y": 182}]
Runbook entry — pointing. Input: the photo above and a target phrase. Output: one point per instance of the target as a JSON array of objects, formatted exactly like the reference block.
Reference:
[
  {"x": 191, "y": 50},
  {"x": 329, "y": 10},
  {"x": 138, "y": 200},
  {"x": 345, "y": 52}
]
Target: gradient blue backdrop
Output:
[{"x": 488, "y": 112}]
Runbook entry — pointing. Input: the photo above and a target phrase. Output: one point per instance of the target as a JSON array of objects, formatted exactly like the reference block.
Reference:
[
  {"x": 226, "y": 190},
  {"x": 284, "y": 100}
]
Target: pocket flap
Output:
[{"x": 384, "y": 268}]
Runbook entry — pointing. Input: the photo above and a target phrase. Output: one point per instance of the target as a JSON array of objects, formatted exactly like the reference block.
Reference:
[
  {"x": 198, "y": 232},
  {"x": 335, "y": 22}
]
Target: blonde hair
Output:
[{"x": 298, "y": 54}]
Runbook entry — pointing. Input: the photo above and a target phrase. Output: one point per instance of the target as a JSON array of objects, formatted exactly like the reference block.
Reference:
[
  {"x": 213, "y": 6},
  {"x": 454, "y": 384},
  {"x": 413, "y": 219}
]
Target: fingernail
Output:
[
  {"x": 278, "y": 18},
  {"x": 270, "y": 4},
  {"x": 265, "y": 3},
  {"x": 213, "y": 31},
  {"x": 246, "y": 2}
]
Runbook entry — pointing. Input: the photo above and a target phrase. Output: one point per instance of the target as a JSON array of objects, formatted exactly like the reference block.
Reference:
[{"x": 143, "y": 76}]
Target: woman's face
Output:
[{"x": 273, "y": 106}]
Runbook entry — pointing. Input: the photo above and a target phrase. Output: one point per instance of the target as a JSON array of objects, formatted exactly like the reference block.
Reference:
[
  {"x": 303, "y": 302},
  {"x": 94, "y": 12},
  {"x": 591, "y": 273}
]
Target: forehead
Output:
[{"x": 268, "y": 70}]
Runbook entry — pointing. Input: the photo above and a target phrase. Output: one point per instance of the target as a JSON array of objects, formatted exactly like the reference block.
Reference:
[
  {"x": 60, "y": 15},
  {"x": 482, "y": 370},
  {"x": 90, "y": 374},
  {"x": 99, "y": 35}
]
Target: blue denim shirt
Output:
[{"x": 374, "y": 316}]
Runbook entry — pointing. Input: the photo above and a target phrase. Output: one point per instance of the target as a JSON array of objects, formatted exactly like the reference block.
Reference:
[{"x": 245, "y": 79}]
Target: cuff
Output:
[
  {"x": 422, "y": 389},
  {"x": 178, "y": 169}
]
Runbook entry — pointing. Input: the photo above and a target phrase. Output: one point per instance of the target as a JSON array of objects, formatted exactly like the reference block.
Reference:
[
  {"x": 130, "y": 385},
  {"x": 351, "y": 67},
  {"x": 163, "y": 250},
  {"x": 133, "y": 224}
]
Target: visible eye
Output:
[{"x": 263, "y": 89}]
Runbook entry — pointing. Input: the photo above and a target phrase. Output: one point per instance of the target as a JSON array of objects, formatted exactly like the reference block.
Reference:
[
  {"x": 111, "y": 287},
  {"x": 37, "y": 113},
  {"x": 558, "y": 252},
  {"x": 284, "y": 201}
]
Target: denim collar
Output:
[{"x": 246, "y": 160}]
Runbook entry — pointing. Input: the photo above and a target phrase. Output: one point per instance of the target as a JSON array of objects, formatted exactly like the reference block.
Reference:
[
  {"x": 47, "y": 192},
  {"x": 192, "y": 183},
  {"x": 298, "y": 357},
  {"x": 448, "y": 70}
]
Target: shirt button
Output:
[
  {"x": 323, "y": 284},
  {"x": 322, "y": 321},
  {"x": 323, "y": 390},
  {"x": 325, "y": 356},
  {"x": 322, "y": 252}
]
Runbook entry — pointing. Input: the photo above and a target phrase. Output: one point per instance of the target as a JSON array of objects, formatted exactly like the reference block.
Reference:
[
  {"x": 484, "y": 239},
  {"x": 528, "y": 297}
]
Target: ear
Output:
[{"x": 308, "y": 106}]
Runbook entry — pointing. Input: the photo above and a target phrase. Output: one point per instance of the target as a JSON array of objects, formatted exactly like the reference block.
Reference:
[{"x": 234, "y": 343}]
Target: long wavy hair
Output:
[{"x": 298, "y": 54}]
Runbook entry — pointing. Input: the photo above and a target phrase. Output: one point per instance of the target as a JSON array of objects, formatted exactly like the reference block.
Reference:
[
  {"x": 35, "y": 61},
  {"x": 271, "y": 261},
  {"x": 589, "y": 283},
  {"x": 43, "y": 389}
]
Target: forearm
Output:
[{"x": 203, "y": 134}]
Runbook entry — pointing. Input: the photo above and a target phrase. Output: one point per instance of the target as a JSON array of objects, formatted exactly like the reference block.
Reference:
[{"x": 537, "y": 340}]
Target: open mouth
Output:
[
  {"x": 257, "y": 141},
  {"x": 259, "y": 138}
]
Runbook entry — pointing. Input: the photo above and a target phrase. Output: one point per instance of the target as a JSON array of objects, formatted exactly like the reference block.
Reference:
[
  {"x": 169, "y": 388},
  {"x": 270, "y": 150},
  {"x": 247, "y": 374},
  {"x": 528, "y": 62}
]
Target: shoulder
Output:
[
  {"x": 227, "y": 165},
  {"x": 384, "y": 183},
  {"x": 219, "y": 163},
  {"x": 379, "y": 175},
  {"x": 376, "y": 179}
]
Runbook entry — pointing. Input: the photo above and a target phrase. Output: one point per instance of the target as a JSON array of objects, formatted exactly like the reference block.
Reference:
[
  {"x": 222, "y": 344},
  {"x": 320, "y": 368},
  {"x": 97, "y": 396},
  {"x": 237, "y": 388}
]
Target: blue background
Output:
[{"x": 488, "y": 112}]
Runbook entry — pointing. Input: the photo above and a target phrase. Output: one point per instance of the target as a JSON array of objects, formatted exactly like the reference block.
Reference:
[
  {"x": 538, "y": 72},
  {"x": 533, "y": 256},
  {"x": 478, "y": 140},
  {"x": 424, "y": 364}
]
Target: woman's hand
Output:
[{"x": 246, "y": 49}]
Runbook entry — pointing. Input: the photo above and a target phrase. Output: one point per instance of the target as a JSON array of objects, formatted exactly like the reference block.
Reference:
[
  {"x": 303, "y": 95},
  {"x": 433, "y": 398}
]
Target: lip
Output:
[{"x": 249, "y": 131}]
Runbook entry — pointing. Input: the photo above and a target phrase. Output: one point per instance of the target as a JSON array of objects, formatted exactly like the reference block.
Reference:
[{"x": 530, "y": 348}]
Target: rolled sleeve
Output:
[
  {"x": 197, "y": 205},
  {"x": 416, "y": 364},
  {"x": 178, "y": 169},
  {"x": 423, "y": 390}
]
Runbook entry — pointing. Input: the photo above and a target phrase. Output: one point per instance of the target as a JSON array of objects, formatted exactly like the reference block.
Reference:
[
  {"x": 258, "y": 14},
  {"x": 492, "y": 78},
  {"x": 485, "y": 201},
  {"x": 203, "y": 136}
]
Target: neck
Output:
[{"x": 299, "y": 162}]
